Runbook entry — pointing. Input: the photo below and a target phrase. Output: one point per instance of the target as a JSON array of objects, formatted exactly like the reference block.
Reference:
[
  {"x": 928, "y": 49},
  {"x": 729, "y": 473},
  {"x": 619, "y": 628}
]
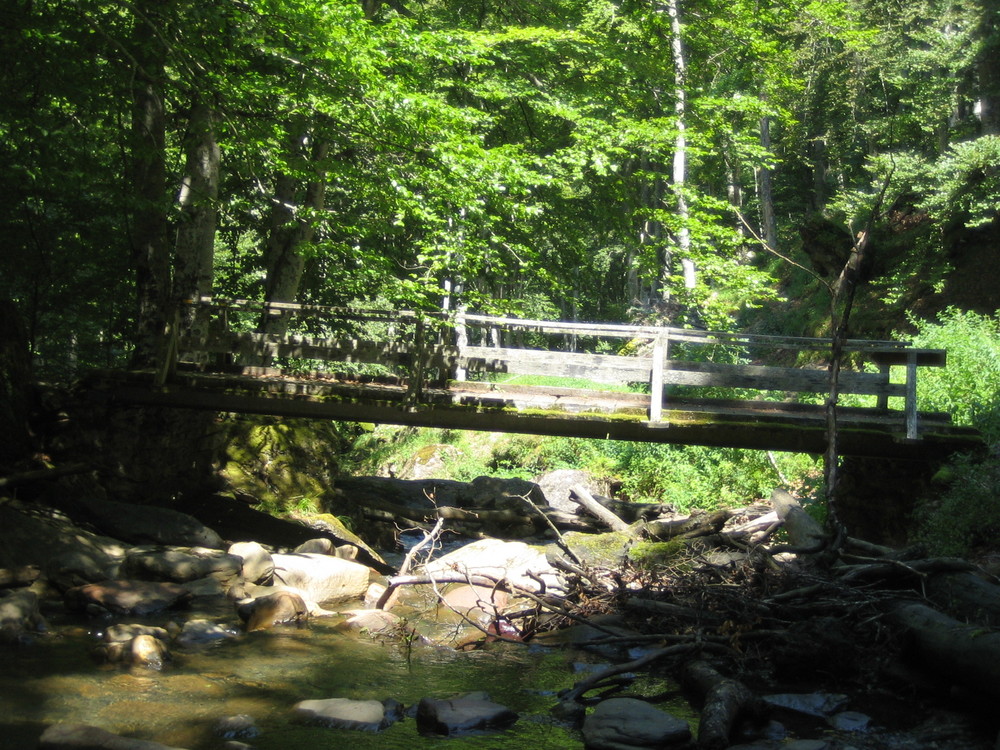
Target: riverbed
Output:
[{"x": 263, "y": 674}]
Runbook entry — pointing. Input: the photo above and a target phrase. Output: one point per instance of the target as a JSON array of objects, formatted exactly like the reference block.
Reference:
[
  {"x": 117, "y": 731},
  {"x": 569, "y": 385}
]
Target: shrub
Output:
[{"x": 969, "y": 387}]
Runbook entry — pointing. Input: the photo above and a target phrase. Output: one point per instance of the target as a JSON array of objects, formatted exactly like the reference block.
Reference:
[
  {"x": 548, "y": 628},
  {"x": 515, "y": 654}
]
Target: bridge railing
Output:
[{"x": 425, "y": 349}]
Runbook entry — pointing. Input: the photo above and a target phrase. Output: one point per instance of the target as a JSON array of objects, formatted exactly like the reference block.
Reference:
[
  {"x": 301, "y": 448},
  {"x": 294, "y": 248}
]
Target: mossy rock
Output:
[
  {"x": 604, "y": 550},
  {"x": 651, "y": 555},
  {"x": 281, "y": 463}
]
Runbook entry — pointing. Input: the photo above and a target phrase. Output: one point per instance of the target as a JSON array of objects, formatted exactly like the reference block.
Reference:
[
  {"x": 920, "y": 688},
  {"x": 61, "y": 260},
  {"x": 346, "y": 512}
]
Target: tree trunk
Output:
[
  {"x": 988, "y": 68},
  {"x": 15, "y": 381},
  {"x": 679, "y": 173},
  {"x": 292, "y": 226},
  {"x": 150, "y": 249},
  {"x": 765, "y": 193},
  {"x": 195, "y": 243}
]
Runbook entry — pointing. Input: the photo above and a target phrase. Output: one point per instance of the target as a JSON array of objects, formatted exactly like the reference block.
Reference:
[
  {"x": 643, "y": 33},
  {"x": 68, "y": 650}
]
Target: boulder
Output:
[
  {"x": 467, "y": 713},
  {"x": 322, "y": 578},
  {"x": 126, "y": 597},
  {"x": 258, "y": 566},
  {"x": 180, "y": 565},
  {"x": 278, "y": 608},
  {"x": 85, "y": 737},
  {"x": 143, "y": 524},
  {"x": 19, "y": 615},
  {"x": 344, "y": 713},
  {"x": 556, "y": 486},
  {"x": 629, "y": 723},
  {"x": 241, "y": 523},
  {"x": 68, "y": 555}
]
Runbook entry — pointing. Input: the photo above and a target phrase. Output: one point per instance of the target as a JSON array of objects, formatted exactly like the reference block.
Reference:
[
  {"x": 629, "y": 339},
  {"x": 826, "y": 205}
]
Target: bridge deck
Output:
[{"x": 543, "y": 410}]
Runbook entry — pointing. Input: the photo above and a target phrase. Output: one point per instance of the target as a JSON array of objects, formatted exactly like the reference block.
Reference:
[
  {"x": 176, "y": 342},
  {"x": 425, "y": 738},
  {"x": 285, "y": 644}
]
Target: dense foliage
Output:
[
  {"x": 584, "y": 159},
  {"x": 682, "y": 161}
]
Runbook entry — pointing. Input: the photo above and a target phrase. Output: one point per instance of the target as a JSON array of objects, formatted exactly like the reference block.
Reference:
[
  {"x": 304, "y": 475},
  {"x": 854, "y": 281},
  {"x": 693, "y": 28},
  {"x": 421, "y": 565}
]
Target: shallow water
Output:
[{"x": 264, "y": 674}]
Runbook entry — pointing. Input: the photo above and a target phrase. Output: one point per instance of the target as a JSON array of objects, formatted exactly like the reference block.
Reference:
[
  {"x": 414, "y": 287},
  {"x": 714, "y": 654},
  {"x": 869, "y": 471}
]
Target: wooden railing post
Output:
[
  {"x": 656, "y": 379},
  {"x": 461, "y": 341},
  {"x": 883, "y": 398},
  {"x": 415, "y": 393},
  {"x": 912, "y": 428}
]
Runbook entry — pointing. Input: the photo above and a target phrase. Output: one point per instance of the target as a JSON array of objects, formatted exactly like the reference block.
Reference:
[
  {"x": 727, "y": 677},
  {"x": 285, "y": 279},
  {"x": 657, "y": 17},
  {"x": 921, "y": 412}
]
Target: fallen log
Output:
[
  {"x": 583, "y": 498},
  {"x": 689, "y": 527},
  {"x": 725, "y": 701},
  {"x": 960, "y": 653}
]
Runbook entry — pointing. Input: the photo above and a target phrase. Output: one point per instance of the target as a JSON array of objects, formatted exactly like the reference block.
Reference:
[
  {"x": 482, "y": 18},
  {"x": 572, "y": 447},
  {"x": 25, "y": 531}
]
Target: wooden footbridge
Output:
[{"x": 477, "y": 372}]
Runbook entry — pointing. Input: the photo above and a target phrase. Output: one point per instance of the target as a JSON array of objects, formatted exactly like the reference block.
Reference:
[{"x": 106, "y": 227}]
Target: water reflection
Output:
[{"x": 263, "y": 675}]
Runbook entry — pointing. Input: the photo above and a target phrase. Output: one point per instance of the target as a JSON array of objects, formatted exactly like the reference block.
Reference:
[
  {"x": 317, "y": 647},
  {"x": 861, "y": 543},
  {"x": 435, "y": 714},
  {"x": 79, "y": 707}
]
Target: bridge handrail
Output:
[
  {"x": 608, "y": 330},
  {"x": 658, "y": 369}
]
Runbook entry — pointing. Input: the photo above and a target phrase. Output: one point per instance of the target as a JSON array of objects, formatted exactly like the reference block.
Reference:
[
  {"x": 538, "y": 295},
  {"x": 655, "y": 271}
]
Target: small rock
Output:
[
  {"x": 274, "y": 609},
  {"x": 344, "y": 713},
  {"x": 850, "y": 721},
  {"x": 19, "y": 615},
  {"x": 373, "y": 621},
  {"x": 620, "y": 723},
  {"x": 811, "y": 704},
  {"x": 148, "y": 651},
  {"x": 239, "y": 726},
  {"x": 196, "y": 632},
  {"x": 85, "y": 737},
  {"x": 127, "y": 631},
  {"x": 466, "y": 713}
]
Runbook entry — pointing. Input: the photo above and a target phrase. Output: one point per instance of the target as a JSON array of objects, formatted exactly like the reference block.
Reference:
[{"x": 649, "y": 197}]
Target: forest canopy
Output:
[{"x": 576, "y": 159}]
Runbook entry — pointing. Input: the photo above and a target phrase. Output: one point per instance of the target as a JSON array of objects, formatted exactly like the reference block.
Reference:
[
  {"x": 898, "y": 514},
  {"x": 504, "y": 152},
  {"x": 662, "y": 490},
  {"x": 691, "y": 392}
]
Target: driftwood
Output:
[
  {"x": 689, "y": 527},
  {"x": 579, "y": 495},
  {"x": 725, "y": 701}
]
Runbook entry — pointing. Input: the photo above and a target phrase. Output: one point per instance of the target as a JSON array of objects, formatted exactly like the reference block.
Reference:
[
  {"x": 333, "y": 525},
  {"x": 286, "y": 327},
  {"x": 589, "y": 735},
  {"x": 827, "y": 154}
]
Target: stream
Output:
[{"x": 263, "y": 674}]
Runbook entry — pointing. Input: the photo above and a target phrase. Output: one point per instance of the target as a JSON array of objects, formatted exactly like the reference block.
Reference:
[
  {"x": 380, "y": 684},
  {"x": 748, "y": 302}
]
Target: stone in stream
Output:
[
  {"x": 200, "y": 632},
  {"x": 344, "y": 713},
  {"x": 278, "y": 608},
  {"x": 258, "y": 567},
  {"x": 322, "y": 578},
  {"x": 239, "y": 726},
  {"x": 141, "y": 650},
  {"x": 181, "y": 565},
  {"x": 20, "y": 616},
  {"x": 126, "y": 597},
  {"x": 464, "y": 713},
  {"x": 85, "y": 737},
  {"x": 629, "y": 723}
]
